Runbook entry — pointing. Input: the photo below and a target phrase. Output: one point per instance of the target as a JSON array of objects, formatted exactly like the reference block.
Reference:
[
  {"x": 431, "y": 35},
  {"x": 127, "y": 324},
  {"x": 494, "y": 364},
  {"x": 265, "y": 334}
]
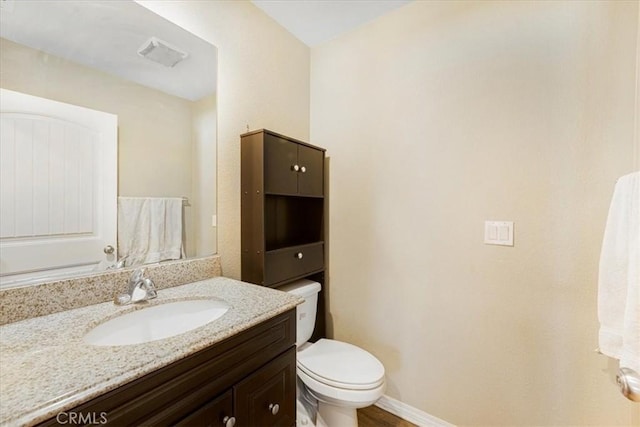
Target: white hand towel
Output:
[
  {"x": 149, "y": 229},
  {"x": 619, "y": 277}
]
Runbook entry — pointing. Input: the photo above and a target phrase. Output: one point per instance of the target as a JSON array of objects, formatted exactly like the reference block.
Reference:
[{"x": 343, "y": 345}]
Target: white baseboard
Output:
[{"x": 409, "y": 413}]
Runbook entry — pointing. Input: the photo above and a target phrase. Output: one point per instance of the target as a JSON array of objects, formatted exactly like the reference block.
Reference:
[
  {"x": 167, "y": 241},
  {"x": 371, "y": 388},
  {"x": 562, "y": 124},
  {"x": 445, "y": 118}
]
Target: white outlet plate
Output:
[{"x": 498, "y": 233}]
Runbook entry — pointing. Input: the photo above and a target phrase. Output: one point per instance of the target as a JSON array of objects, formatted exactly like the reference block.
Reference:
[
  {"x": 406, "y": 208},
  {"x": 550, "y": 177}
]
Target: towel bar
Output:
[{"x": 629, "y": 382}]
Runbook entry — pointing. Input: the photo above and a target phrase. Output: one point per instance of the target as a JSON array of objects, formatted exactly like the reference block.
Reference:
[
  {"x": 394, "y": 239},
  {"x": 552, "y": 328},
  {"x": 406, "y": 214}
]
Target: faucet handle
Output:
[
  {"x": 150, "y": 288},
  {"x": 121, "y": 263},
  {"x": 140, "y": 289},
  {"x": 137, "y": 275}
]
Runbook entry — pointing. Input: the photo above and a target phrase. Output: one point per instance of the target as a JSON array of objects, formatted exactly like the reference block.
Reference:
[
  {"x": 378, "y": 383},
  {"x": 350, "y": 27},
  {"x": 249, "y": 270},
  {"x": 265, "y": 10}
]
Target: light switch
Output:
[
  {"x": 493, "y": 232},
  {"x": 214, "y": 220},
  {"x": 503, "y": 232},
  {"x": 498, "y": 233}
]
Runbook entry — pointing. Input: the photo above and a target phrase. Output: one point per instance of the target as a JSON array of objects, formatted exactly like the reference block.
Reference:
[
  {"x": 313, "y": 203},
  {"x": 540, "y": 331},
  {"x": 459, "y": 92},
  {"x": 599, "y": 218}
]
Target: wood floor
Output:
[{"x": 373, "y": 416}]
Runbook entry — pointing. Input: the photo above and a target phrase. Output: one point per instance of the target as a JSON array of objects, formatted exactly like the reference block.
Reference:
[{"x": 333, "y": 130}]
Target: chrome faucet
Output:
[
  {"x": 118, "y": 264},
  {"x": 121, "y": 262},
  {"x": 140, "y": 288}
]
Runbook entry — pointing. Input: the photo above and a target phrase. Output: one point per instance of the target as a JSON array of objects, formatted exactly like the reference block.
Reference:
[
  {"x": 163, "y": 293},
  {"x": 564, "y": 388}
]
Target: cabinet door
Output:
[
  {"x": 267, "y": 397},
  {"x": 216, "y": 413},
  {"x": 311, "y": 176},
  {"x": 280, "y": 158}
]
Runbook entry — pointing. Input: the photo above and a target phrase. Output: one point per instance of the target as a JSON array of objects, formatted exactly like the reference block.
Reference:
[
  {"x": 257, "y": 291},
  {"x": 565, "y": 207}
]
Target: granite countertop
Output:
[{"x": 46, "y": 367}]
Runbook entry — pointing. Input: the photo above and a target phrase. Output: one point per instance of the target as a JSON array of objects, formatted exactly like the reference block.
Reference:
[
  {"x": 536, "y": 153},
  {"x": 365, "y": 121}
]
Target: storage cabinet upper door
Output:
[
  {"x": 280, "y": 162},
  {"x": 310, "y": 175}
]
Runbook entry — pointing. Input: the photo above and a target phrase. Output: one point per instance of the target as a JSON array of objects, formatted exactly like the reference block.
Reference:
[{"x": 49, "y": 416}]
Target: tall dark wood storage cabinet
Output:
[{"x": 282, "y": 212}]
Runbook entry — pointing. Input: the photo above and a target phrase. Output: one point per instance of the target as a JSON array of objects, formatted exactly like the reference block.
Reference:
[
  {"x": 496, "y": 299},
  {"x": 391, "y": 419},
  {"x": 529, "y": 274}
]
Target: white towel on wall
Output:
[
  {"x": 619, "y": 277},
  {"x": 149, "y": 229}
]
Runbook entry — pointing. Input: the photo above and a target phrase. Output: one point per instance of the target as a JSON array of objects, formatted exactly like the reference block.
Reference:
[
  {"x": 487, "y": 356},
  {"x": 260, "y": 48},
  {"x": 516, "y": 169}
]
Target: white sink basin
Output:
[{"x": 156, "y": 322}]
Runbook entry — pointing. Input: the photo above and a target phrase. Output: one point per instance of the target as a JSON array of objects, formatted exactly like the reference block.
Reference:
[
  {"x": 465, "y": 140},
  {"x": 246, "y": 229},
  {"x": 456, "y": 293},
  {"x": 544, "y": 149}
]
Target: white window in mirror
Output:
[{"x": 58, "y": 185}]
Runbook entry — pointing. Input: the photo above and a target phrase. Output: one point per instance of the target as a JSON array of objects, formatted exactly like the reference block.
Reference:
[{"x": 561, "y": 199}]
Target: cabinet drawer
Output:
[
  {"x": 267, "y": 397},
  {"x": 294, "y": 261},
  {"x": 214, "y": 414}
]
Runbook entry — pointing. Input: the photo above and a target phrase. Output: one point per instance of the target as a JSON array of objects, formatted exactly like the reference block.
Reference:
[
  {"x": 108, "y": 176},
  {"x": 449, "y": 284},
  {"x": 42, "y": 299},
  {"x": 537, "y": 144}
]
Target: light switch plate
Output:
[{"x": 498, "y": 233}]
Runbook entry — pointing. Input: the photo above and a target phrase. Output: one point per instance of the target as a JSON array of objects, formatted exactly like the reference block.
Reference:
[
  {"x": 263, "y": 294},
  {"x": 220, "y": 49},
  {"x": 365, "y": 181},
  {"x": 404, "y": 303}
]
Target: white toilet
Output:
[{"x": 339, "y": 377}]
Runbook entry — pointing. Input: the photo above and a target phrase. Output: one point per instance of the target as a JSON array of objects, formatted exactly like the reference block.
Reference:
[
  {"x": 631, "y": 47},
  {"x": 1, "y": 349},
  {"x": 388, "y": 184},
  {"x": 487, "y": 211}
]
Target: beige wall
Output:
[
  {"x": 442, "y": 115},
  {"x": 263, "y": 82}
]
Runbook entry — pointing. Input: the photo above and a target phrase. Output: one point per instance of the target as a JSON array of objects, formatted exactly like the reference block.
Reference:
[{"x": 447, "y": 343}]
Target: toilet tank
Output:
[{"x": 305, "y": 312}]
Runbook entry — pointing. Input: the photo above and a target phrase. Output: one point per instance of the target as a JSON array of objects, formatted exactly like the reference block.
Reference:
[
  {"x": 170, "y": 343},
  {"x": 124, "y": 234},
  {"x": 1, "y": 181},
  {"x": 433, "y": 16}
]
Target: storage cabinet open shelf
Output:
[{"x": 291, "y": 221}]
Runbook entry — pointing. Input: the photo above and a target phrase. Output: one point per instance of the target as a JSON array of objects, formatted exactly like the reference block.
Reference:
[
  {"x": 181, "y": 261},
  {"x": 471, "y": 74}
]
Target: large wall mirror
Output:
[{"x": 108, "y": 139}]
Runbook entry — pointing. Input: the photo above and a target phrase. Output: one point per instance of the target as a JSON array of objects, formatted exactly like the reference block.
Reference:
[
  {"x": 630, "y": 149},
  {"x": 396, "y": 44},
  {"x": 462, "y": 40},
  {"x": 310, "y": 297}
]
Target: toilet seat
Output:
[
  {"x": 341, "y": 397},
  {"x": 340, "y": 365}
]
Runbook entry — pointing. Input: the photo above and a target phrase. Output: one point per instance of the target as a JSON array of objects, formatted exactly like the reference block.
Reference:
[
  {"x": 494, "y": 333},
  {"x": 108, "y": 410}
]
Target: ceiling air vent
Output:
[{"x": 159, "y": 51}]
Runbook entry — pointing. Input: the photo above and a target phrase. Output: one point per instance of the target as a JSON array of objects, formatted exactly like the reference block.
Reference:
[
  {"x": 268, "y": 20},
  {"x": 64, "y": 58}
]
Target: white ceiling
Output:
[
  {"x": 317, "y": 21},
  {"x": 106, "y": 35}
]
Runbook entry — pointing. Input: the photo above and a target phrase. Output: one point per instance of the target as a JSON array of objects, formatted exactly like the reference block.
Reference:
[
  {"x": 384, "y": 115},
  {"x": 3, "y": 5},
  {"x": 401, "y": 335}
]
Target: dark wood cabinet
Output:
[
  {"x": 236, "y": 381},
  {"x": 216, "y": 413},
  {"x": 262, "y": 397},
  {"x": 282, "y": 220},
  {"x": 282, "y": 201}
]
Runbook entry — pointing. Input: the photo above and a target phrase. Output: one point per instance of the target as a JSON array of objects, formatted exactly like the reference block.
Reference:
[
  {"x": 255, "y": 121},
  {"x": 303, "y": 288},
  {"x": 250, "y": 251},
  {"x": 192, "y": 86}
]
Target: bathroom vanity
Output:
[
  {"x": 237, "y": 370},
  {"x": 249, "y": 377}
]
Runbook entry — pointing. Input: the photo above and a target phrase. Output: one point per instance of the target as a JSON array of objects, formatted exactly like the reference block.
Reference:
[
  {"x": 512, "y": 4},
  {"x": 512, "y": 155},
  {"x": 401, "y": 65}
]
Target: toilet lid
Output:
[{"x": 340, "y": 364}]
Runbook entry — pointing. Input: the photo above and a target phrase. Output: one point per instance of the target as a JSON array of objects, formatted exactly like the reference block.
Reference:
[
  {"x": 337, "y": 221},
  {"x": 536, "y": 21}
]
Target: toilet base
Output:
[
  {"x": 304, "y": 417},
  {"x": 332, "y": 415}
]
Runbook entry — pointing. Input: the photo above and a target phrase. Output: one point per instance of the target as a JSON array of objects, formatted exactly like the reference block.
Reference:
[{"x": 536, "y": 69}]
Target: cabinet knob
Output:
[
  {"x": 229, "y": 421},
  {"x": 303, "y": 169},
  {"x": 295, "y": 168},
  {"x": 274, "y": 408},
  {"x": 299, "y": 255}
]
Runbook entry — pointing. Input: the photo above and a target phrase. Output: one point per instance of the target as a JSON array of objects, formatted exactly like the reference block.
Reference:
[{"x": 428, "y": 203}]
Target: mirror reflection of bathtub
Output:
[{"x": 166, "y": 134}]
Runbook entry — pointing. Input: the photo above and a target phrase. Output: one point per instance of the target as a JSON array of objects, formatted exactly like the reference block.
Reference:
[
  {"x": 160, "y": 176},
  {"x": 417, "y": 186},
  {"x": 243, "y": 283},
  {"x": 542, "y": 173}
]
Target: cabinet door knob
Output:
[
  {"x": 295, "y": 168},
  {"x": 229, "y": 421},
  {"x": 303, "y": 169},
  {"x": 299, "y": 255},
  {"x": 274, "y": 408}
]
